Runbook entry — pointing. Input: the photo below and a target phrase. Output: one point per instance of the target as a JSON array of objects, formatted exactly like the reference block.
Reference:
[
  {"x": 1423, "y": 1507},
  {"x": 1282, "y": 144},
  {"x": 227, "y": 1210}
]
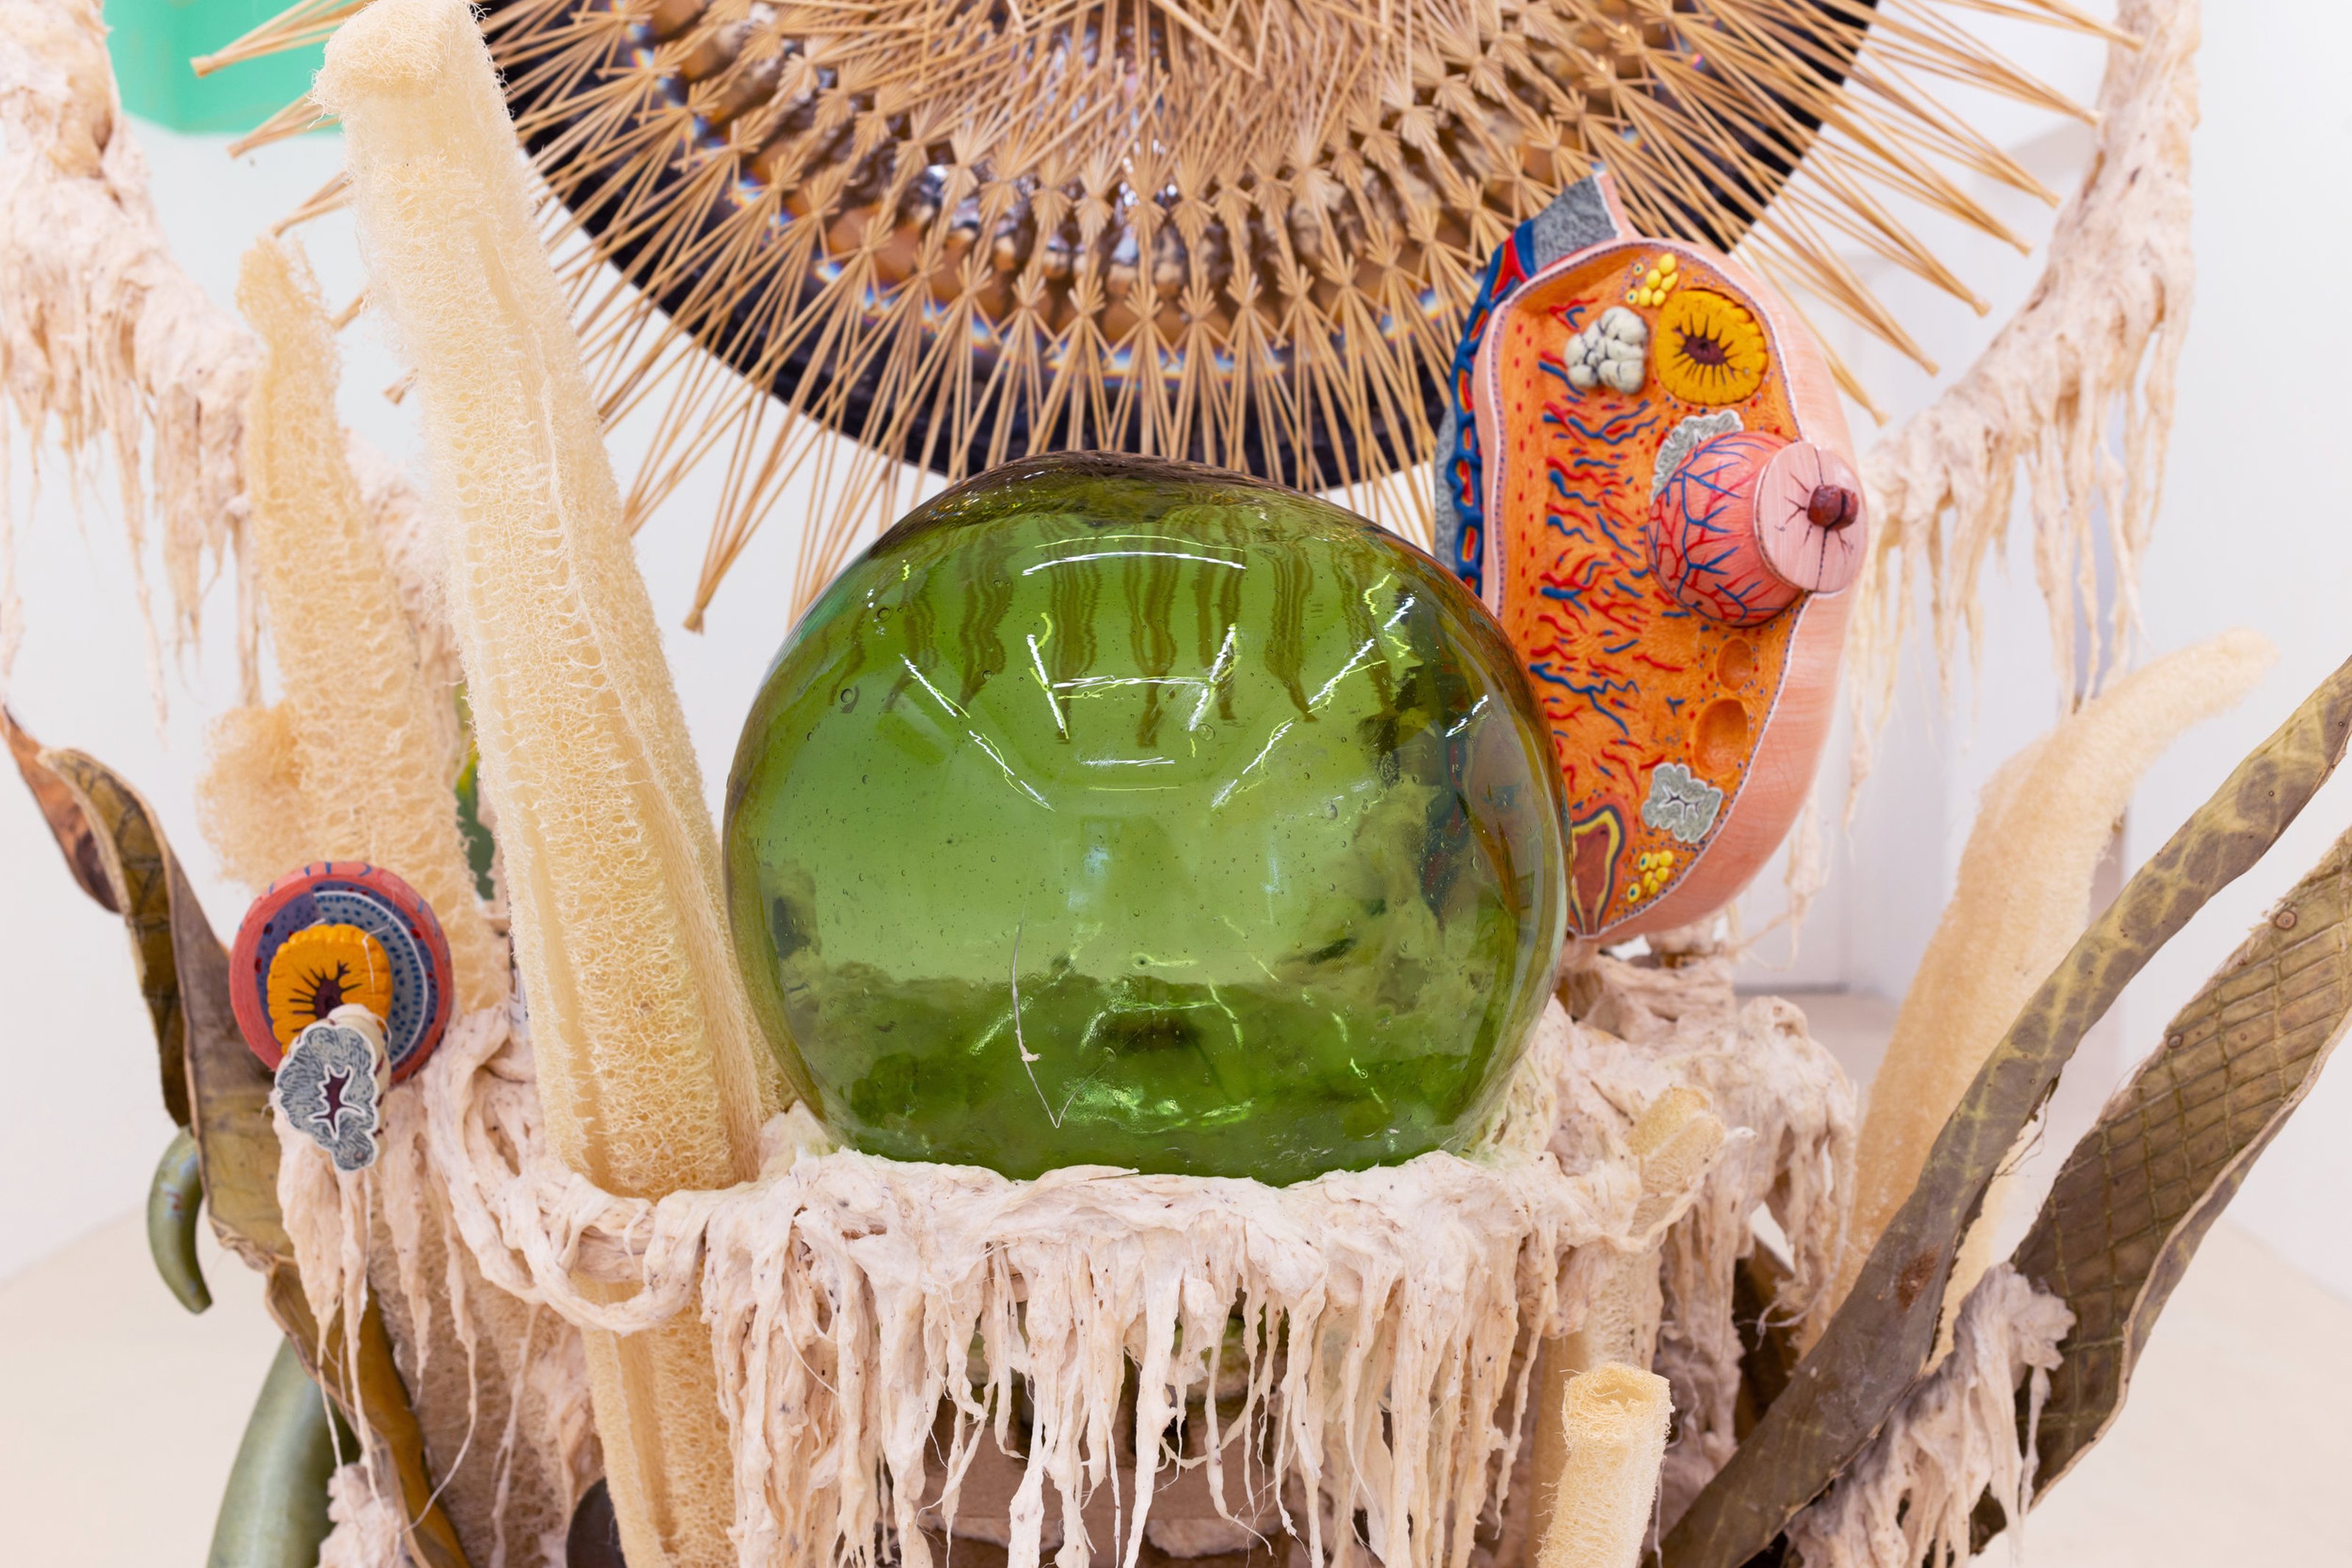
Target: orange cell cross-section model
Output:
[{"x": 1646, "y": 475}]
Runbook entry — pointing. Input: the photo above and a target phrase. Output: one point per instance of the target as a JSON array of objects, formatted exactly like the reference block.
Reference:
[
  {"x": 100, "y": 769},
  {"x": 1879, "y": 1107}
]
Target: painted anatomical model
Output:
[{"x": 1645, "y": 475}]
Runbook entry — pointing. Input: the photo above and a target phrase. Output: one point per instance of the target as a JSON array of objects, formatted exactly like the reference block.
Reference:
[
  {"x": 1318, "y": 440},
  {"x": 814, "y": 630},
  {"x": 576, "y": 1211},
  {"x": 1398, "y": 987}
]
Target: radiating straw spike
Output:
[
  {"x": 300, "y": 25},
  {"x": 777, "y": 180},
  {"x": 294, "y": 119},
  {"x": 330, "y": 197}
]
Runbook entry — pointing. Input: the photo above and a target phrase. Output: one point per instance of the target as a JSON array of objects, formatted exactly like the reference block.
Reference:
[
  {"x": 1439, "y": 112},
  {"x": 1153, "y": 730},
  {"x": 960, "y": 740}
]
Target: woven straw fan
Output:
[{"x": 1241, "y": 231}]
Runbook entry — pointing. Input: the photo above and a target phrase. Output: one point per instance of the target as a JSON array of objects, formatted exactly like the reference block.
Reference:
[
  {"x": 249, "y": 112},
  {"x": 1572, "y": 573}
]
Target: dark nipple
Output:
[{"x": 1832, "y": 507}]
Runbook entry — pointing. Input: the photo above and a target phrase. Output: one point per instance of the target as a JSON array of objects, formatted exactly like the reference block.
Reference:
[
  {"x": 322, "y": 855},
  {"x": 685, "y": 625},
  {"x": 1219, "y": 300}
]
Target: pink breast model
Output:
[{"x": 1645, "y": 475}]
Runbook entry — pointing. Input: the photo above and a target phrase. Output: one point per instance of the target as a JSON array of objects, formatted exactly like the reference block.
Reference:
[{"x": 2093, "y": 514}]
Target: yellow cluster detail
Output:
[
  {"x": 1710, "y": 348},
  {"x": 321, "y": 969},
  {"x": 1651, "y": 871},
  {"x": 1652, "y": 287}
]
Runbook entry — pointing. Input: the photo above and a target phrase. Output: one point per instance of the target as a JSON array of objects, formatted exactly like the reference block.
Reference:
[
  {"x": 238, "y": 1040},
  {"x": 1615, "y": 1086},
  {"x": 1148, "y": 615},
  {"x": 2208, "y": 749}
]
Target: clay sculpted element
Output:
[
  {"x": 1648, "y": 483},
  {"x": 647, "y": 1062},
  {"x": 337, "y": 933},
  {"x": 1121, "y": 812}
]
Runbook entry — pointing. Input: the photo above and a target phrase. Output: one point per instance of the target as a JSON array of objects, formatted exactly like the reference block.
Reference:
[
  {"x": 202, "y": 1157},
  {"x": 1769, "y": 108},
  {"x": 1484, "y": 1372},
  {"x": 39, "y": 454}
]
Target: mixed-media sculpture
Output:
[
  {"x": 1241, "y": 234},
  {"x": 1180, "y": 1139},
  {"x": 1645, "y": 475}
]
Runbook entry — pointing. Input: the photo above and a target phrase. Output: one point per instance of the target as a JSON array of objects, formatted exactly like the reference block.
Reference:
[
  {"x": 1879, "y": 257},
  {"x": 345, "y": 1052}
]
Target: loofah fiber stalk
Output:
[
  {"x": 360, "y": 729},
  {"x": 1677, "y": 1140},
  {"x": 1615, "y": 1417},
  {"x": 2022, "y": 900},
  {"x": 648, "y": 1064}
]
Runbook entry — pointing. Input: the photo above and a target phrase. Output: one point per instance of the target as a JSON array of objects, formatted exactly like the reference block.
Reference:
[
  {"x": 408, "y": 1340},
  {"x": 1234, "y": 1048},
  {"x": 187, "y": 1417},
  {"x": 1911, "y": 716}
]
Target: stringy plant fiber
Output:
[
  {"x": 500, "y": 1385},
  {"x": 366, "y": 1520},
  {"x": 109, "y": 349},
  {"x": 2089, "y": 363}
]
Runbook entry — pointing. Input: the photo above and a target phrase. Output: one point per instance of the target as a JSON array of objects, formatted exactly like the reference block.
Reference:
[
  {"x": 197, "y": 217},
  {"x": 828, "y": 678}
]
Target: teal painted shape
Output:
[{"x": 153, "y": 40}]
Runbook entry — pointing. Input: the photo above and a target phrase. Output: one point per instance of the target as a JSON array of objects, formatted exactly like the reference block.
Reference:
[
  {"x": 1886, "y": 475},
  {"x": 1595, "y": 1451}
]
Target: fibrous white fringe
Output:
[
  {"x": 111, "y": 350},
  {"x": 2087, "y": 363},
  {"x": 500, "y": 1385},
  {"x": 367, "y": 1522},
  {"x": 851, "y": 1299},
  {"x": 1908, "y": 1498},
  {"x": 1380, "y": 1359},
  {"x": 101, "y": 334}
]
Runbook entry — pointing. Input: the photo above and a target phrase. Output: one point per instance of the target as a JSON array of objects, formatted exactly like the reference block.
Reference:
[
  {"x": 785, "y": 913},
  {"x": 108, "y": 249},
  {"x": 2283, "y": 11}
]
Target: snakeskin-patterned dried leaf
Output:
[
  {"x": 2136, "y": 1197},
  {"x": 110, "y": 844},
  {"x": 1880, "y": 1340},
  {"x": 61, "y": 812}
]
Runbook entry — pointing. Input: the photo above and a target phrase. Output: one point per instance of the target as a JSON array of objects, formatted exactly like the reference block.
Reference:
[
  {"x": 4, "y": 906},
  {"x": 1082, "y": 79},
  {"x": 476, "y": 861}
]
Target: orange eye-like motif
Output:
[{"x": 321, "y": 969}]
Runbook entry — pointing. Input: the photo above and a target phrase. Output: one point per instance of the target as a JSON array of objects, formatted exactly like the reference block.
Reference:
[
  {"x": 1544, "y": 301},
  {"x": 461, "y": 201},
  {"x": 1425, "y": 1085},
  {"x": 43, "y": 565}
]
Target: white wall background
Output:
[{"x": 2240, "y": 541}]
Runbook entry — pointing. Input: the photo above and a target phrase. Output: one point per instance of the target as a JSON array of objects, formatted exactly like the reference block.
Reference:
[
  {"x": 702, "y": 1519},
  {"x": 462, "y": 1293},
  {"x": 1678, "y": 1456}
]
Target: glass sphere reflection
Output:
[{"x": 1124, "y": 812}]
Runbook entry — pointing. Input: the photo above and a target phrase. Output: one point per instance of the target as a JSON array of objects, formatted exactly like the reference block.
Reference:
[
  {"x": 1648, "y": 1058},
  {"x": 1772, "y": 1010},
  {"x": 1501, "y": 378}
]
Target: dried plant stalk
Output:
[
  {"x": 364, "y": 734},
  {"x": 648, "y": 1064},
  {"x": 1615, "y": 1417},
  {"x": 2023, "y": 898}
]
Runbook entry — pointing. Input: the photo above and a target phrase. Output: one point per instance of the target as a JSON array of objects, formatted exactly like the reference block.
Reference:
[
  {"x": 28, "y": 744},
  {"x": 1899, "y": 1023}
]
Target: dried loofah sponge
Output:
[
  {"x": 2023, "y": 897},
  {"x": 650, "y": 1074},
  {"x": 250, "y": 798},
  {"x": 361, "y": 731},
  {"x": 1615, "y": 1421}
]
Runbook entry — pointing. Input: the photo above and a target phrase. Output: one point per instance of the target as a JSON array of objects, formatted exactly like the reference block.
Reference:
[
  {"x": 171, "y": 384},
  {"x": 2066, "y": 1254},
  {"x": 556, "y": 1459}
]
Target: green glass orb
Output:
[{"x": 1112, "y": 812}]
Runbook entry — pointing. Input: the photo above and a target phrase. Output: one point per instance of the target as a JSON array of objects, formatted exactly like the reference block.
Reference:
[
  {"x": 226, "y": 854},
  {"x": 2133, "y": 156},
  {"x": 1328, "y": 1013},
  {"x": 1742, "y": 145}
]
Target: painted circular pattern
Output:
[
  {"x": 321, "y": 969},
  {"x": 374, "y": 901}
]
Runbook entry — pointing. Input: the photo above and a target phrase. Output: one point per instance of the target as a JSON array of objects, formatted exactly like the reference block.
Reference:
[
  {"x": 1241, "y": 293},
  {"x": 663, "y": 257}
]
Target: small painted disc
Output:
[{"x": 376, "y": 904}]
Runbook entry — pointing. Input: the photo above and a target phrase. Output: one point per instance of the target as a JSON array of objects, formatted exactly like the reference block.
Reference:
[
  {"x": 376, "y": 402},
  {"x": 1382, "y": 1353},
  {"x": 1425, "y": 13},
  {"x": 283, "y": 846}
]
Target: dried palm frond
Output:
[{"x": 1240, "y": 231}]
